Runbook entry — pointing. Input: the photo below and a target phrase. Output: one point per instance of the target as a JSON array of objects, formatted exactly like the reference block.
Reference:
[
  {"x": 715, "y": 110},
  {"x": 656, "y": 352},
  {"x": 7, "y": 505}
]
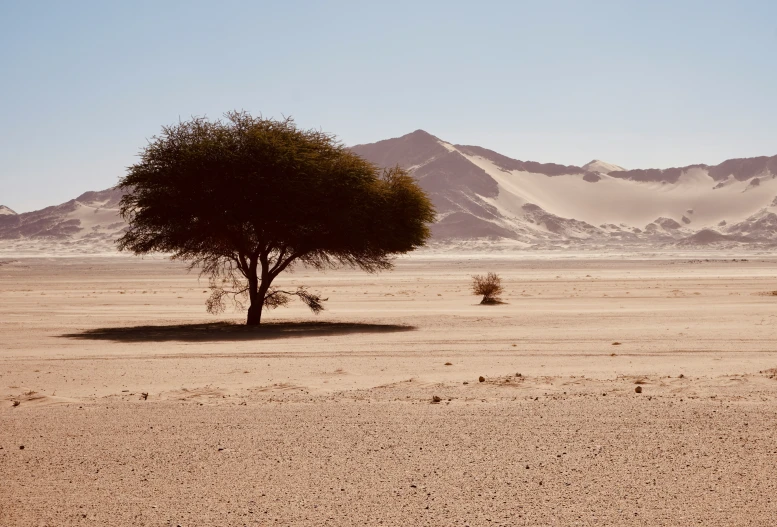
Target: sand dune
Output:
[
  {"x": 480, "y": 193},
  {"x": 602, "y": 167}
]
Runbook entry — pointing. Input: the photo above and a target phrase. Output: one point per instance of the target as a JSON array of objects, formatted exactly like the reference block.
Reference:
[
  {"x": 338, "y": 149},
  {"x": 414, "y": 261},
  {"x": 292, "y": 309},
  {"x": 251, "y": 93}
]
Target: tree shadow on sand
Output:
[{"x": 227, "y": 331}]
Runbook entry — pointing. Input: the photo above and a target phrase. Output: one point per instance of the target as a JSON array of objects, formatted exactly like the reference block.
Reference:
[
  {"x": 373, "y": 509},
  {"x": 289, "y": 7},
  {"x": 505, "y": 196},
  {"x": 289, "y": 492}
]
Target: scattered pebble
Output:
[
  {"x": 21, "y": 447},
  {"x": 616, "y": 343},
  {"x": 638, "y": 389},
  {"x": 436, "y": 399},
  {"x": 449, "y": 364},
  {"x": 482, "y": 379}
]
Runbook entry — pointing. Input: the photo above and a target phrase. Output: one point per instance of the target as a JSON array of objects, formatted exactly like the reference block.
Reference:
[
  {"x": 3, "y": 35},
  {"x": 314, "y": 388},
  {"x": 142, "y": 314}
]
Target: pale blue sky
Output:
[{"x": 637, "y": 83}]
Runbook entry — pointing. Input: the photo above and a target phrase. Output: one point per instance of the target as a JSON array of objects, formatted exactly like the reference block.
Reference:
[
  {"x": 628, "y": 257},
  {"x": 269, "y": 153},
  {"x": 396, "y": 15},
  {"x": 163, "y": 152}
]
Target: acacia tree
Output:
[{"x": 245, "y": 198}]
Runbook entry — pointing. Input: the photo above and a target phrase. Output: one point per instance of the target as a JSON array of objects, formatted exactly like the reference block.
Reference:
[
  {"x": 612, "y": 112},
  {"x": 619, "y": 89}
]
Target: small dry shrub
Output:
[{"x": 490, "y": 286}]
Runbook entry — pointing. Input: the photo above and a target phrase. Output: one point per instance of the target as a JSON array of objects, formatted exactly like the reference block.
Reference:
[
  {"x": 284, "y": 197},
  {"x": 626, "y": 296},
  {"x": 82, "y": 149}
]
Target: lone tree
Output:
[
  {"x": 490, "y": 286},
  {"x": 245, "y": 198}
]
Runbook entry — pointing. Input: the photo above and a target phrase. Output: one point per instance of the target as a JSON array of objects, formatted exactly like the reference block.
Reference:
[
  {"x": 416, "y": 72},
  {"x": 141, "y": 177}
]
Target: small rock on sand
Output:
[
  {"x": 638, "y": 389},
  {"x": 482, "y": 379}
]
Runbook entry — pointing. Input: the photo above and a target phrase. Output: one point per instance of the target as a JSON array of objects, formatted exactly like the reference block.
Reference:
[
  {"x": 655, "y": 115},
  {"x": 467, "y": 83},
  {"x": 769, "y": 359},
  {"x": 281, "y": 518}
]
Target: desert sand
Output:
[{"x": 123, "y": 403}]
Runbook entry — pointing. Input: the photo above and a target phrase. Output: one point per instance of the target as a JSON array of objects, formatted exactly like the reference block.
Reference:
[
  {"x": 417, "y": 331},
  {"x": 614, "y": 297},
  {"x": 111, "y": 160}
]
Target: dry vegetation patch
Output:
[{"x": 489, "y": 287}]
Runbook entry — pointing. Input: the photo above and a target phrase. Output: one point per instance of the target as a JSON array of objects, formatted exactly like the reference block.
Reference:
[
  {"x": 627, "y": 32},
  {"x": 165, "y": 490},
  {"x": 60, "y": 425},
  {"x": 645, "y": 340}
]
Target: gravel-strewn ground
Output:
[
  {"x": 332, "y": 423},
  {"x": 582, "y": 459}
]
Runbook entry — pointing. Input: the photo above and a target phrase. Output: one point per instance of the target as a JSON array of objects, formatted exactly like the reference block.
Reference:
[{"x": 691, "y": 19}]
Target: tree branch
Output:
[
  {"x": 279, "y": 267},
  {"x": 278, "y": 297},
  {"x": 278, "y": 260}
]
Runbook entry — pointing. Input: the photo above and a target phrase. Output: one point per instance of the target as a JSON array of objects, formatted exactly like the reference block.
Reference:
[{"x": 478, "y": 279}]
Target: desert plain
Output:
[{"x": 123, "y": 403}]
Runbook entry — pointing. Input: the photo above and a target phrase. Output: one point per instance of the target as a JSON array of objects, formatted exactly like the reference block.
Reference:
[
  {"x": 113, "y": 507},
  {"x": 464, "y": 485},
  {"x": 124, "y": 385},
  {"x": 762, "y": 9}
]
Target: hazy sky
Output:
[{"x": 637, "y": 83}]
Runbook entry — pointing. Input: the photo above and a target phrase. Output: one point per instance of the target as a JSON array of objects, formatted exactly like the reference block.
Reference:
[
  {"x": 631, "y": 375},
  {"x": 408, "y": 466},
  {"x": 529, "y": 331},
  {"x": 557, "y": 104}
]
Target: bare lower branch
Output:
[
  {"x": 221, "y": 289},
  {"x": 277, "y": 297}
]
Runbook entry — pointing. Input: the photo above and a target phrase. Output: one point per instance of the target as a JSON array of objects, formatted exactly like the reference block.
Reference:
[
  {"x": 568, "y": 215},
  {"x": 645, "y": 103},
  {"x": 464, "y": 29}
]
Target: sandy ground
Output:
[{"x": 135, "y": 407}]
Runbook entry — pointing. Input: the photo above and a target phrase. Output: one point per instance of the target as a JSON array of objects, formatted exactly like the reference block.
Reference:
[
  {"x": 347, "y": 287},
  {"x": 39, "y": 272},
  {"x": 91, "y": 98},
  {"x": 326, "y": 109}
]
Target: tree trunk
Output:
[
  {"x": 258, "y": 285},
  {"x": 256, "y": 298},
  {"x": 254, "y": 314},
  {"x": 258, "y": 290}
]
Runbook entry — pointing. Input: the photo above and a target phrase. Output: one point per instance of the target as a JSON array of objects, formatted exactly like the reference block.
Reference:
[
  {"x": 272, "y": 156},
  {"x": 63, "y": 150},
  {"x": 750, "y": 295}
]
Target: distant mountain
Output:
[
  {"x": 711, "y": 237},
  {"x": 485, "y": 197},
  {"x": 602, "y": 167},
  {"x": 91, "y": 221},
  {"x": 481, "y": 193},
  {"x": 727, "y": 171}
]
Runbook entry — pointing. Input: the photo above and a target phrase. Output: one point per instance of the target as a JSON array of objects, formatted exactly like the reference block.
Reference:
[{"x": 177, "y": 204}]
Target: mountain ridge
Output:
[
  {"x": 538, "y": 204},
  {"x": 481, "y": 194},
  {"x": 603, "y": 167}
]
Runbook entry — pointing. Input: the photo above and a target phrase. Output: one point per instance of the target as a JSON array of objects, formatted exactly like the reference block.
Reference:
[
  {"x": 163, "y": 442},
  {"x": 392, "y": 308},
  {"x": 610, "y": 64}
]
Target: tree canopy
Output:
[{"x": 246, "y": 198}]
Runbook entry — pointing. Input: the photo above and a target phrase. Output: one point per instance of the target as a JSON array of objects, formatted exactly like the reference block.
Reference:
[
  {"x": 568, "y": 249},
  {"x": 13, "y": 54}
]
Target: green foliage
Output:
[{"x": 245, "y": 198}]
